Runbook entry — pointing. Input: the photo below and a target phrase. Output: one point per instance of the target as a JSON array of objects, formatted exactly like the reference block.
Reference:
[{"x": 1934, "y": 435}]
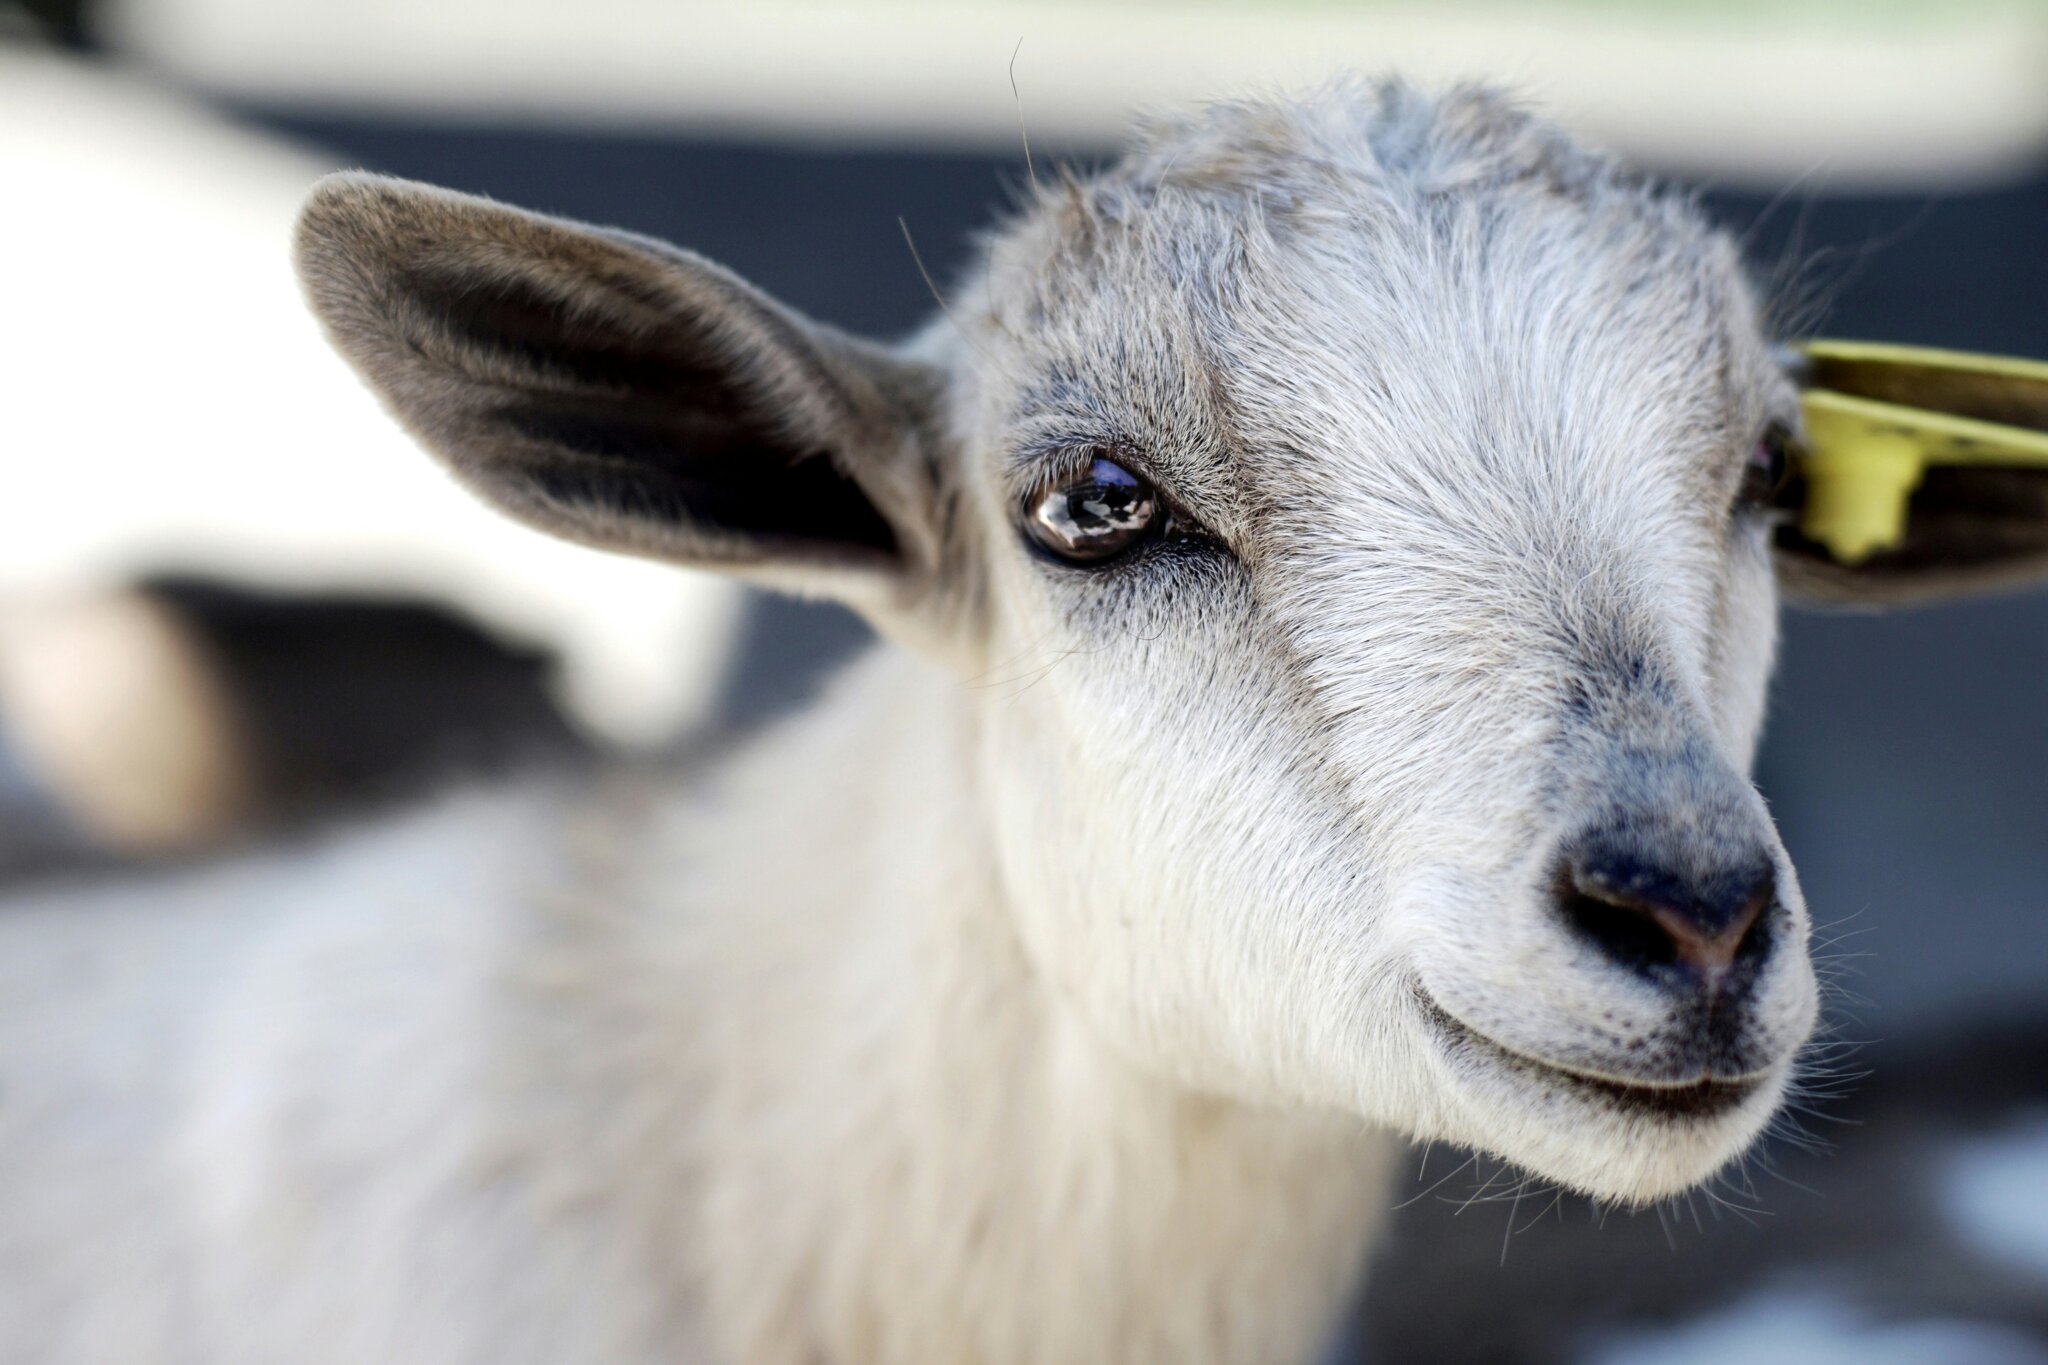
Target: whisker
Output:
[
  {"x": 1018, "y": 99},
  {"x": 1424, "y": 1194},
  {"x": 937, "y": 297}
]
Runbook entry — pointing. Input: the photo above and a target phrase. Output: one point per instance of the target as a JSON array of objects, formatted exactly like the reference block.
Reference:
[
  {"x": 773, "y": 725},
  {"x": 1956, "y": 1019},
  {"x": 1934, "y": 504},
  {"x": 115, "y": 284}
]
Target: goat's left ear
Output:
[
  {"x": 1968, "y": 529},
  {"x": 626, "y": 394}
]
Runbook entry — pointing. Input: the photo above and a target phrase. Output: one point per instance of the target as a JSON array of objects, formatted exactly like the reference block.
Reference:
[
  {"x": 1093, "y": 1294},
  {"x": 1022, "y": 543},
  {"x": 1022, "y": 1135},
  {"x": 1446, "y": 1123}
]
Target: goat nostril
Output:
[
  {"x": 1629, "y": 937},
  {"x": 1648, "y": 922},
  {"x": 1713, "y": 949}
]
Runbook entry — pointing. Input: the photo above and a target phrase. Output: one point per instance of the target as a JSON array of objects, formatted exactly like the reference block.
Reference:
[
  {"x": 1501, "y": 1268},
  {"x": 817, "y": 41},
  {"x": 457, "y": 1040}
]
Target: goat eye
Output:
[
  {"x": 1764, "y": 475},
  {"x": 1096, "y": 517}
]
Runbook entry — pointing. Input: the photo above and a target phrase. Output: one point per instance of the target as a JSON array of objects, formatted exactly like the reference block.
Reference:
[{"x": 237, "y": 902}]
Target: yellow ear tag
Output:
[{"x": 1877, "y": 416}]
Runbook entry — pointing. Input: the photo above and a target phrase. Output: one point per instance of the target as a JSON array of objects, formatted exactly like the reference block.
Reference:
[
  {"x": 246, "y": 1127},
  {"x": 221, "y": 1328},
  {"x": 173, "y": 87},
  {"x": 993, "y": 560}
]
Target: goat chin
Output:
[{"x": 1627, "y": 1156}]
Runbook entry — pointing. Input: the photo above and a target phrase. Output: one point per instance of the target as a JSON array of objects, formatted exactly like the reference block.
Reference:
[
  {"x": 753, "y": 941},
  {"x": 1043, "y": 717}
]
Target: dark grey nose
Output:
[{"x": 1696, "y": 920}]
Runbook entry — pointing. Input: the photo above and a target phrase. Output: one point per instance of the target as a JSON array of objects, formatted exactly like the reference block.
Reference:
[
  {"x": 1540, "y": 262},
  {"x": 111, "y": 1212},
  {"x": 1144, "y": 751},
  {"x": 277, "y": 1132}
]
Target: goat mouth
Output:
[{"x": 1690, "y": 1101}]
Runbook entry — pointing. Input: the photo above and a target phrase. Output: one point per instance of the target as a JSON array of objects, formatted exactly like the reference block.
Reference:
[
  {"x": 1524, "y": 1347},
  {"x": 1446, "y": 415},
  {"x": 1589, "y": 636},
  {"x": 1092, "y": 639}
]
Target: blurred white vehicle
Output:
[{"x": 170, "y": 406}]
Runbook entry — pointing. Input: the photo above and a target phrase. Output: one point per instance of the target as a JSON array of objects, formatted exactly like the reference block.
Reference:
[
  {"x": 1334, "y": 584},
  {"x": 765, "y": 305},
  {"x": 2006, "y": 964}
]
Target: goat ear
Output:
[
  {"x": 1969, "y": 529},
  {"x": 624, "y": 393}
]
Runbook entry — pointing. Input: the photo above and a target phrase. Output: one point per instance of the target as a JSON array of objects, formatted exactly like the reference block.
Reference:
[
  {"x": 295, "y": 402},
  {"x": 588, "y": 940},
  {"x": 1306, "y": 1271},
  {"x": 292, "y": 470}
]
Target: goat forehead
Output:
[
  {"x": 1337, "y": 330},
  {"x": 1525, "y": 357},
  {"x": 1529, "y": 364},
  {"x": 1504, "y": 458}
]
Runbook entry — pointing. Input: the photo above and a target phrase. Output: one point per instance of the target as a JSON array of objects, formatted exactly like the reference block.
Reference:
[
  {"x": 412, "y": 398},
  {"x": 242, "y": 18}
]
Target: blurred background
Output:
[{"x": 236, "y": 604}]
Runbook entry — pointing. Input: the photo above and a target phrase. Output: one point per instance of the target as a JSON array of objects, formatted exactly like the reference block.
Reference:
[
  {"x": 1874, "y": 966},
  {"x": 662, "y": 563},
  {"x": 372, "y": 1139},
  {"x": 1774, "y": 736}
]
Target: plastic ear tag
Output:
[{"x": 1877, "y": 416}]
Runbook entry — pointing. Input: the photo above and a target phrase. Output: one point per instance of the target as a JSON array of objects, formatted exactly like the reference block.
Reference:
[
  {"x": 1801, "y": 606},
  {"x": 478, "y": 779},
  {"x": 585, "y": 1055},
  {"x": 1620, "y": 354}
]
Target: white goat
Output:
[{"x": 1328, "y": 564}]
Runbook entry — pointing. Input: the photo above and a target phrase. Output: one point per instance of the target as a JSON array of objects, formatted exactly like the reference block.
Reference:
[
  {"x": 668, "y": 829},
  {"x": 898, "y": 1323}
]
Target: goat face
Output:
[
  {"x": 1381, "y": 606},
  {"x": 1350, "y": 521}
]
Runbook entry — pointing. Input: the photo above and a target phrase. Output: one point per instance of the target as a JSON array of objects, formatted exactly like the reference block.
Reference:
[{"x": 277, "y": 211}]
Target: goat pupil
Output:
[
  {"x": 1764, "y": 476},
  {"x": 1097, "y": 516}
]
